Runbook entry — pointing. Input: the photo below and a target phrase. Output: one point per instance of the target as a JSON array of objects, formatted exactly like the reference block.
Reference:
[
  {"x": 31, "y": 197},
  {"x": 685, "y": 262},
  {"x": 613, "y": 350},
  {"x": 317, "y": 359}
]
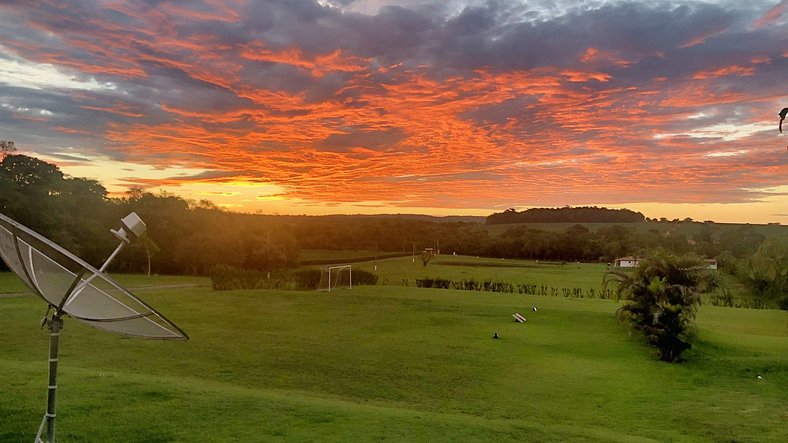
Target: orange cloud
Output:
[
  {"x": 318, "y": 65},
  {"x": 335, "y": 122},
  {"x": 596, "y": 56},
  {"x": 580, "y": 76},
  {"x": 725, "y": 71},
  {"x": 772, "y": 15}
]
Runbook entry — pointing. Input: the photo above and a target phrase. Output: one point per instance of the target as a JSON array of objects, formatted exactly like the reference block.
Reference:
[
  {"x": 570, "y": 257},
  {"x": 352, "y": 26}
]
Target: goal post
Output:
[{"x": 335, "y": 277}]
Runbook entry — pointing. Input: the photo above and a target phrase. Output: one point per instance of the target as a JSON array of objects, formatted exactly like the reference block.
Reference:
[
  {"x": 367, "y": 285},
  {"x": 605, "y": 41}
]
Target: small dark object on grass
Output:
[{"x": 495, "y": 336}]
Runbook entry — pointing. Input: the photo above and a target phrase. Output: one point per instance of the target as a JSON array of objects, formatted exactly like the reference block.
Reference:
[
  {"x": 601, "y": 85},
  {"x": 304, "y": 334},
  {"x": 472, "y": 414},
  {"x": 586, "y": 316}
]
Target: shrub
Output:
[
  {"x": 362, "y": 277},
  {"x": 661, "y": 297},
  {"x": 439, "y": 283},
  {"x": 225, "y": 277},
  {"x": 307, "y": 278}
]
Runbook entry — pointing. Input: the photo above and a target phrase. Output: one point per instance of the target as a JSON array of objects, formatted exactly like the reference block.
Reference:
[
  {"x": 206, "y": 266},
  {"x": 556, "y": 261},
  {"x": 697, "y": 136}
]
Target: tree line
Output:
[
  {"x": 582, "y": 214},
  {"x": 190, "y": 237}
]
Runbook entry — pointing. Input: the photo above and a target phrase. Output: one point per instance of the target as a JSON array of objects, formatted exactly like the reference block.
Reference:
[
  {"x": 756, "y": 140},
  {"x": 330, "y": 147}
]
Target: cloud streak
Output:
[{"x": 454, "y": 105}]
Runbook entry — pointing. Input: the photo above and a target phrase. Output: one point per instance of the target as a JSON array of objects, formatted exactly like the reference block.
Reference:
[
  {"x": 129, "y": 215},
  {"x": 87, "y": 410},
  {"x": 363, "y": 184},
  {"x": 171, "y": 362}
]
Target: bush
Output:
[
  {"x": 307, "y": 278},
  {"x": 225, "y": 277},
  {"x": 661, "y": 297},
  {"x": 439, "y": 283},
  {"x": 362, "y": 277}
]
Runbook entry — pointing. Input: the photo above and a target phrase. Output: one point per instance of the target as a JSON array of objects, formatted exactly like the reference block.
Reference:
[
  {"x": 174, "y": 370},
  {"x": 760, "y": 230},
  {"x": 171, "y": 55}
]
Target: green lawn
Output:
[
  {"x": 337, "y": 256},
  {"x": 393, "y": 364},
  {"x": 10, "y": 284},
  {"x": 569, "y": 275}
]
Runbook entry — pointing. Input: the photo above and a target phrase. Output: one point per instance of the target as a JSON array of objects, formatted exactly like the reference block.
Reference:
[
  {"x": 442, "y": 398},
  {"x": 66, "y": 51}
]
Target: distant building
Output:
[
  {"x": 631, "y": 262},
  {"x": 626, "y": 262}
]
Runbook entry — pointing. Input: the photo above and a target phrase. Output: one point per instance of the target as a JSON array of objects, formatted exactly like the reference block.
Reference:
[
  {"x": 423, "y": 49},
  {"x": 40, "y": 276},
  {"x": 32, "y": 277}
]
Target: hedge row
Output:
[
  {"x": 511, "y": 288},
  {"x": 224, "y": 277}
]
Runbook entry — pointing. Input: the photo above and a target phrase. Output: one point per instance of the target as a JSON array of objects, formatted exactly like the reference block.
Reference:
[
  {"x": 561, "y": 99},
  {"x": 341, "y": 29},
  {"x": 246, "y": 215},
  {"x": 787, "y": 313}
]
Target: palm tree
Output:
[{"x": 661, "y": 297}]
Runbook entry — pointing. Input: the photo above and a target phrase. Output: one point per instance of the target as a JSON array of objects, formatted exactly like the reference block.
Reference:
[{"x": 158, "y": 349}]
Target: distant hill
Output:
[{"x": 583, "y": 214}]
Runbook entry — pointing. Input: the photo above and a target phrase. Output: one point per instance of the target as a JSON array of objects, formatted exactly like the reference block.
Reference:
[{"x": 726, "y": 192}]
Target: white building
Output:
[
  {"x": 626, "y": 262},
  {"x": 632, "y": 262}
]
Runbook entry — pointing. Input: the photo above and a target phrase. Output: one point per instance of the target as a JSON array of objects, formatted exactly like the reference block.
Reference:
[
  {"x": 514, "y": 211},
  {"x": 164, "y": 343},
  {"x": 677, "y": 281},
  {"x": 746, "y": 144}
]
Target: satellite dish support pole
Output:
[
  {"x": 55, "y": 324},
  {"x": 103, "y": 268}
]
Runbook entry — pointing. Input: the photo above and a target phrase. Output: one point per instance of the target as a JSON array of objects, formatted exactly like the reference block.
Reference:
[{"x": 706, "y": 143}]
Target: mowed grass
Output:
[
  {"x": 397, "y": 271},
  {"x": 394, "y": 364}
]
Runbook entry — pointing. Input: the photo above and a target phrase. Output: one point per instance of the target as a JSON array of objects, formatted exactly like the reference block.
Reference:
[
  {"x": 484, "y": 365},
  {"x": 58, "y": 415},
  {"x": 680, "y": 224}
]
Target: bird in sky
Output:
[{"x": 782, "y": 115}]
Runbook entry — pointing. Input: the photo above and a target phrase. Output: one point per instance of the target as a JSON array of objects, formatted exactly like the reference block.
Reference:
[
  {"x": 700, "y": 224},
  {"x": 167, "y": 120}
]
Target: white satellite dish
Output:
[{"x": 74, "y": 288}]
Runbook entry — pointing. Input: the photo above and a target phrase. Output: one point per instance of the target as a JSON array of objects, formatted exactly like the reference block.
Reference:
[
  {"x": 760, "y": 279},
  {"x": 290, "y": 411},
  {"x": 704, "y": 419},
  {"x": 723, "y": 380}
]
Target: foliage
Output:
[
  {"x": 6, "y": 148},
  {"x": 426, "y": 256},
  {"x": 307, "y": 278},
  {"x": 188, "y": 237},
  {"x": 73, "y": 212},
  {"x": 224, "y": 277},
  {"x": 362, "y": 277},
  {"x": 439, "y": 283},
  {"x": 488, "y": 285},
  {"x": 766, "y": 274},
  {"x": 661, "y": 297},
  {"x": 584, "y": 214}
]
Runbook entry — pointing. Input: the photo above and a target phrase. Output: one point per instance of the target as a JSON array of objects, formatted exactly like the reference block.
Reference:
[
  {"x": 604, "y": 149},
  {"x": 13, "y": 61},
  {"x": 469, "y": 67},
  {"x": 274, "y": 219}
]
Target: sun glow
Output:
[{"x": 394, "y": 106}]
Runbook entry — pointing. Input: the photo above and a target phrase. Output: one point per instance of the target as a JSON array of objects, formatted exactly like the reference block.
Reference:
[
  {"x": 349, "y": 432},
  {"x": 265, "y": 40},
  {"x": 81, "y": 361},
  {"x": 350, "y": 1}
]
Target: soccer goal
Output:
[{"x": 335, "y": 277}]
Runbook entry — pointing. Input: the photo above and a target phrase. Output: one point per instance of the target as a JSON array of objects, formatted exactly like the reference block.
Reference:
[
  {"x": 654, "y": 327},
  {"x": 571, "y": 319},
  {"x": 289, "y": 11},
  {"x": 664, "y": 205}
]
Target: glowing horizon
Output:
[{"x": 441, "y": 108}]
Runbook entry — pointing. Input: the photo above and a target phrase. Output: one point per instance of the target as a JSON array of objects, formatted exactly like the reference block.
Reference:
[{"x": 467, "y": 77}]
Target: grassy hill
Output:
[{"x": 393, "y": 363}]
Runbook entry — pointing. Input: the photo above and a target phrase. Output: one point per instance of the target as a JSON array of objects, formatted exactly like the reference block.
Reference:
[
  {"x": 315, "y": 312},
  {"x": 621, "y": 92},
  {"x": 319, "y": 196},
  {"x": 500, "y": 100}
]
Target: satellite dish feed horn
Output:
[{"x": 74, "y": 288}]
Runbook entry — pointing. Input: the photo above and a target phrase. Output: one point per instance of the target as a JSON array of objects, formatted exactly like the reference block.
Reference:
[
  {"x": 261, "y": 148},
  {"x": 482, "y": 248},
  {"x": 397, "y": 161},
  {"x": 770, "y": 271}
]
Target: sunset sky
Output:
[{"x": 407, "y": 106}]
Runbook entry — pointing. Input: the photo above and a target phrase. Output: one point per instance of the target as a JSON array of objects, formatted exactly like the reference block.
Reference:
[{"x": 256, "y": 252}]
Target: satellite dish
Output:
[{"x": 74, "y": 288}]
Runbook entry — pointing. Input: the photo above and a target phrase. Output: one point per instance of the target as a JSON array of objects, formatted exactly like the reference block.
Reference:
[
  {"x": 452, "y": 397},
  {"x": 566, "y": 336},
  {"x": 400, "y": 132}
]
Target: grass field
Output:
[
  {"x": 395, "y": 271},
  {"x": 394, "y": 363},
  {"x": 338, "y": 256}
]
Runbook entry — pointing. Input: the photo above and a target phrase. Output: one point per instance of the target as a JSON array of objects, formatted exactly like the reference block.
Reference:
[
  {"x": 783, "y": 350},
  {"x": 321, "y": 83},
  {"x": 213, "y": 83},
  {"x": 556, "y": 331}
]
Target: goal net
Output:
[{"x": 335, "y": 277}]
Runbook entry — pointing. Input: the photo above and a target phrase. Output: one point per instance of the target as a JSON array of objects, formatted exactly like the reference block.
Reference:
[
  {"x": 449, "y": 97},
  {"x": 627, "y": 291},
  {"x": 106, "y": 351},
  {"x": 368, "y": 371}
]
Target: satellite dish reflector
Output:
[{"x": 74, "y": 288}]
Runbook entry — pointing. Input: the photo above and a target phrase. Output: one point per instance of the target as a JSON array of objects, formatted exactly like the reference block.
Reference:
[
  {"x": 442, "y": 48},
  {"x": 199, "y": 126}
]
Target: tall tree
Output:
[
  {"x": 28, "y": 189},
  {"x": 6, "y": 147},
  {"x": 766, "y": 275}
]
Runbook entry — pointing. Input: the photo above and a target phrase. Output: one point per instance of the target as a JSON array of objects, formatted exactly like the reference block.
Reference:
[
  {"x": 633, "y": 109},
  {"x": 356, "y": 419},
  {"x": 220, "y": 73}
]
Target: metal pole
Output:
[
  {"x": 54, "y": 340},
  {"x": 55, "y": 325}
]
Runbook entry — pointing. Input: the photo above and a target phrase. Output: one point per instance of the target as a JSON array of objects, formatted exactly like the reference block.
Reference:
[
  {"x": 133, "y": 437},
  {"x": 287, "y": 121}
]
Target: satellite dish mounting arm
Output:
[{"x": 136, "y": 227}]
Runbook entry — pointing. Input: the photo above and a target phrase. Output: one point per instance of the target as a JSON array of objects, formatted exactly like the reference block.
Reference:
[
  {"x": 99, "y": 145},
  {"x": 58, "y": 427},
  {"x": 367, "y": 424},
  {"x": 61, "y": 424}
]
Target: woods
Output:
[
  {"x": 584, "y": 214},
  {"x": 190, "y": 237}
]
